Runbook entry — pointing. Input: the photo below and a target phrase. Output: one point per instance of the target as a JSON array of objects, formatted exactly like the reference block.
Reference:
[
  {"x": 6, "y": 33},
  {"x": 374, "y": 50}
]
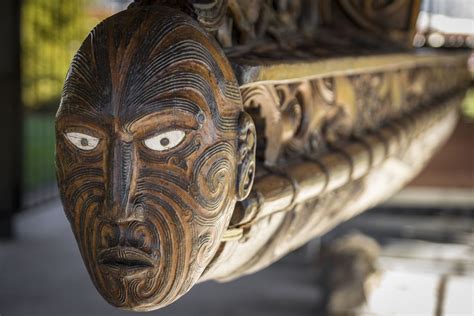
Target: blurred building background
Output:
[{"x": 428, "y": 229}]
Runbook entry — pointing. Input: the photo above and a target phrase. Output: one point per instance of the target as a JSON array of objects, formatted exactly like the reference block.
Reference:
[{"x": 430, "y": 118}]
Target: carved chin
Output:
[
  {"x": 136, "y": 285},
  {"x": 140, "y": 284},
  {"x": 138, "y": 265}
]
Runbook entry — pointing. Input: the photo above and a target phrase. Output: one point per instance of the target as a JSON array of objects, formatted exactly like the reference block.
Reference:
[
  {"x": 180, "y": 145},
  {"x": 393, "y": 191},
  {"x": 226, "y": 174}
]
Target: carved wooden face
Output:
[{"x": 152, "y": 154}]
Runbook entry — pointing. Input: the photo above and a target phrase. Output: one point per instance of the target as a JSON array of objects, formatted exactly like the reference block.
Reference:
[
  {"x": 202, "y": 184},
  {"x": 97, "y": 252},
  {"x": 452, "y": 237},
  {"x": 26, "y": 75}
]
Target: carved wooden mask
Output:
[{"x": 153, "y": 151}]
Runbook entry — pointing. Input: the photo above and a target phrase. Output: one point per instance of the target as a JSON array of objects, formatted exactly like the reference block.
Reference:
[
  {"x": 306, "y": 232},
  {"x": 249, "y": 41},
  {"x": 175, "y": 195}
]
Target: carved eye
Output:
[
  {"x": 82, "y": 141},
  {"x": 165, "y": 141}
]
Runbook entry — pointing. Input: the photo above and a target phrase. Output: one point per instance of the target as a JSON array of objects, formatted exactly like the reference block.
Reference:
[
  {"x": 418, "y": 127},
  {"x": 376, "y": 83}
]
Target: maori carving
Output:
[
  {"x": 179, "y": 162},
  {"x": 395, "y": 18},
  {"x": 309, "y": 117},
  {"x": 246, "y": 25},
  {"x": 243, "y": 22},
  {"x": 309, "y": 197},
  {"x": 153, "y": 151}
]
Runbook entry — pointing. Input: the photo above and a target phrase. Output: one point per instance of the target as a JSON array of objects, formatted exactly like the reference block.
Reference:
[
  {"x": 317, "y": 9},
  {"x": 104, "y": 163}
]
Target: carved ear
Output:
[{"x": 247, "y": 144}]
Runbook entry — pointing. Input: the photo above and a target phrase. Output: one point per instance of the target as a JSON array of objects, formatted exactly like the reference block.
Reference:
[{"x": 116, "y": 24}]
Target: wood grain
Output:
[
  {"x": 161, "y": 133},
  {"x": 149, "y": 221}
]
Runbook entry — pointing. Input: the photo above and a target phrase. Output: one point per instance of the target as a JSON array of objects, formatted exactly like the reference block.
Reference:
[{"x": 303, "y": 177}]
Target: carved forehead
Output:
[{"x": 145, "y": 59}]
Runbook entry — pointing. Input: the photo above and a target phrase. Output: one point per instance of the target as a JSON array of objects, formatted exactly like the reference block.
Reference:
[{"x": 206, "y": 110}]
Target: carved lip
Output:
[{"x": 125, "y": 259}]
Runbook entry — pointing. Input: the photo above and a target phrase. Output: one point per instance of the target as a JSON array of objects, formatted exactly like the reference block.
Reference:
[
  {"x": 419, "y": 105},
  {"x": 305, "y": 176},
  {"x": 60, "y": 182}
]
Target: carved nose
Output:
[
  {"x": 124, "y": 213},
  {"x": 120, "y": 177},
  {"x": 127, "y": 234}
]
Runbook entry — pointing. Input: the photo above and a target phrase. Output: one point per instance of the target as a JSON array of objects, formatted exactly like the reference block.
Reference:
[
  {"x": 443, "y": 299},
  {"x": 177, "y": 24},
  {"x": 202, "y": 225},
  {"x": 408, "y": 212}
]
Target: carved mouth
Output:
[{"x": 125, "y": 259}]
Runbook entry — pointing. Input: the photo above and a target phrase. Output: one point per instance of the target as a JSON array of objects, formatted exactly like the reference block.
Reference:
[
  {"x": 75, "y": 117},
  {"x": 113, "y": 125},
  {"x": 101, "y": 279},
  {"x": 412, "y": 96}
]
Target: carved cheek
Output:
[
  {"x": 80, "y": 179},
  {"x": 213, "y": 182}
]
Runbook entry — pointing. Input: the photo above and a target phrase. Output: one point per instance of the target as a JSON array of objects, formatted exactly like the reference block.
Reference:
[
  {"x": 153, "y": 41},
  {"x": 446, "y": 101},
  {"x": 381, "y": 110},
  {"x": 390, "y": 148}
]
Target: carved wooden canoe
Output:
[{"x": 203, "y": 140}]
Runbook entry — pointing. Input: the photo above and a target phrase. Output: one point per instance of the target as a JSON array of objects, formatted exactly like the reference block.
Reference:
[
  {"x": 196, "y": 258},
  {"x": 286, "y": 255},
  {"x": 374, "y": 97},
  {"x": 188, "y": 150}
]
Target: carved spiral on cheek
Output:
[
  {"x": 213, "y": 180},
  {"x": 82, "y": 191},
  {"x": 205, "y": 244}
]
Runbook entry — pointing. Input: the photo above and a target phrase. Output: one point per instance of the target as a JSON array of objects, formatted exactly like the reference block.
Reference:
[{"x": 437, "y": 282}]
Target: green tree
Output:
[{"x": 52, "y": 31}]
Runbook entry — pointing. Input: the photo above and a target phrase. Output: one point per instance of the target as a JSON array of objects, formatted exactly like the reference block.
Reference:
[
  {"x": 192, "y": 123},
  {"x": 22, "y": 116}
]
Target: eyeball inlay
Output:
[
  {"x": 165, "y": 141},
  {"x": 82, "y": 141}
]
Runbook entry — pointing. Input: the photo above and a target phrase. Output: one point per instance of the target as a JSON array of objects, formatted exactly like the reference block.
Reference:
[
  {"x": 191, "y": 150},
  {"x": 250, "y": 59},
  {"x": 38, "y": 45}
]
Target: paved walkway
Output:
[{"x": 41, "y": 273}]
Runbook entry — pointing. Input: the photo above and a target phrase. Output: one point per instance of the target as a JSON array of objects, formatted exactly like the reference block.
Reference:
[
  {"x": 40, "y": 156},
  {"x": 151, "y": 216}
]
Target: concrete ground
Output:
[{"x": 426, "y": 267}]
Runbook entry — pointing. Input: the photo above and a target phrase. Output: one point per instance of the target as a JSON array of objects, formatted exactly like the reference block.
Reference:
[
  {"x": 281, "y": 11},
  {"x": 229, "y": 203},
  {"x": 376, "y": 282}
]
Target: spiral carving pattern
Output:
[{"x": 148, "y": 220}]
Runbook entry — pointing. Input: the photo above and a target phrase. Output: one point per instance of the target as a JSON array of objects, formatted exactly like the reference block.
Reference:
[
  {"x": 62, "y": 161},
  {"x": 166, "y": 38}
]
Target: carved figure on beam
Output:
[
  {"x": 158, "y": 126},
  {"x": 153, "y": 151}
]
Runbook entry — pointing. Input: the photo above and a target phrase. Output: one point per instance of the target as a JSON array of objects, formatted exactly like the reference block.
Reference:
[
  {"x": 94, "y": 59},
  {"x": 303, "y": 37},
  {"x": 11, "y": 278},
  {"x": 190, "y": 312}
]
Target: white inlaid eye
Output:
[
  {"x": 165, "y": 141},
  {"x": 82, "y": 141}
]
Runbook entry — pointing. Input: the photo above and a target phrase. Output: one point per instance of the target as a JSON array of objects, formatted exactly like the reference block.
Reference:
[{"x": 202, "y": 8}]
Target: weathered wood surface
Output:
[
  {"x": 161, "y": 132},
  {"x": 153, "y": 150}
]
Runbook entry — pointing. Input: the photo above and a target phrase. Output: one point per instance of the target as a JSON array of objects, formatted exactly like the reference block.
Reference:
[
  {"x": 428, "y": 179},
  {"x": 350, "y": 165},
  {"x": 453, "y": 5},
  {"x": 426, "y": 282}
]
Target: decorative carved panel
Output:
[
  {"x": 172, "y": 108},
  {"x": 395, "y": 18}
]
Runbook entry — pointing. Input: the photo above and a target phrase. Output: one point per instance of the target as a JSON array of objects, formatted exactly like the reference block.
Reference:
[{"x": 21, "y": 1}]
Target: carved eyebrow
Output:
[
  {"x": 167, "y": 84},
  {"x": 74, "y": 104},
  {"x": 67, "y": 117},
  {"x": 175, "y": 103},
  {"x": 155, "y": 121}
]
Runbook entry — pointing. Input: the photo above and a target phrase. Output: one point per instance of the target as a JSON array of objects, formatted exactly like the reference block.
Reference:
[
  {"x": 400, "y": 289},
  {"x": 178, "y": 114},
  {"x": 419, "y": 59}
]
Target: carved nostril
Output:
[
  {"x": 139, "y": 235},
  {"x": 109, "y": 235},
  {"x": 137, "y": 242}
]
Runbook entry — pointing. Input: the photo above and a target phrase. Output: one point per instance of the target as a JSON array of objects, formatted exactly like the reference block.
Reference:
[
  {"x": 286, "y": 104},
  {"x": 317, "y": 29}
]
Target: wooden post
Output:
[{"x": 10, "y": 115}]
